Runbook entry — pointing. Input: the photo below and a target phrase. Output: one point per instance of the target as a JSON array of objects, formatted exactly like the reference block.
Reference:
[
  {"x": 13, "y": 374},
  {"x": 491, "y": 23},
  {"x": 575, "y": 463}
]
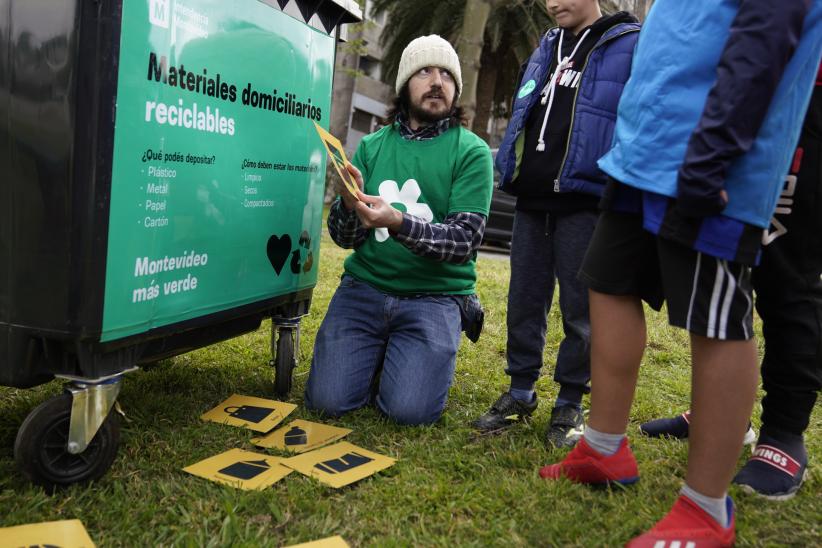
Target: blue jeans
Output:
[
  {"x": 409, "y": 344},
  {"x": 546, "y": 250}
]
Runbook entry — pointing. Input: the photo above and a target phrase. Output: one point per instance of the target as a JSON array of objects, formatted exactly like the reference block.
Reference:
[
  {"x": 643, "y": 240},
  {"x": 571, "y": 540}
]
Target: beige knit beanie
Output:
[{"x": 428, "y": 51}]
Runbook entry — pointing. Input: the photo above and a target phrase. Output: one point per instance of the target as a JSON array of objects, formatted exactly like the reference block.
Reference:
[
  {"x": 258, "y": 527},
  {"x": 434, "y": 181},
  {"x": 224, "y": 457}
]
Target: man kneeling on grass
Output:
[{"x": 392, "y": 329}]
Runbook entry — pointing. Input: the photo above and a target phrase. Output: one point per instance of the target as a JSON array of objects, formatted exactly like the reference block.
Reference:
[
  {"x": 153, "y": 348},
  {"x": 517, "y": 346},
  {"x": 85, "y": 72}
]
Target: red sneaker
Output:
[
  {"x": 587, "y": 465},
  {"x": 688, "y": 526}
]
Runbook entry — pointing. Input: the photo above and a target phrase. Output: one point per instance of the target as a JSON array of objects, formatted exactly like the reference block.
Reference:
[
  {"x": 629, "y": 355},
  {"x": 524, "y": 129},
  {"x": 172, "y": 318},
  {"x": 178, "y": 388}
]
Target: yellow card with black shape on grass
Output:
[
  {"x": 242, "y": 469},
  {"x": 65, "y": 534},
  {"x": 300, "y": 436},
  {"x": 257, "y": 414},
  {"x": 340, "y": 464}
]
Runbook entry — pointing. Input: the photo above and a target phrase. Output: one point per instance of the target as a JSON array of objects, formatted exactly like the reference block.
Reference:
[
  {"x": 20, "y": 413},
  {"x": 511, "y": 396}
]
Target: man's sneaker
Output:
[
  {"x": 584, "y": 464},
  {"x": 506, "y": 411},
  {"x": 677, "y": 428},
  {"x": 688, "y": 526},
  {"x": 566, "y": 427},
  {"x": 776, "y": 469}
]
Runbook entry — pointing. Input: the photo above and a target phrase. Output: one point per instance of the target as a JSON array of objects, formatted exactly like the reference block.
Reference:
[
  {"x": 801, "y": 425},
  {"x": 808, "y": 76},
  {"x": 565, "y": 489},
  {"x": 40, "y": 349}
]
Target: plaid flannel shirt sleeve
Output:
[
  {"x": 454, "y": 240},
  {"x": 345, "y": 227}
]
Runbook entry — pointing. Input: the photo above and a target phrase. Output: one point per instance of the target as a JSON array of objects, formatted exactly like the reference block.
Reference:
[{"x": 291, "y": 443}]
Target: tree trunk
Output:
[
  {"x": 469, "y": 48},
  {"x": 345, "y": 80},
  {"x": 485, "y": 95},
  {"x": 343, "y": 90}
]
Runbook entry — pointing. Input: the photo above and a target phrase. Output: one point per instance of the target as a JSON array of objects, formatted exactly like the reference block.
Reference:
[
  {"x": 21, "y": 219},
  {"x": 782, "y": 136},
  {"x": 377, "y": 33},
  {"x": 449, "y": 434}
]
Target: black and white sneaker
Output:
[
  {"x": 505, "y": 412},
  {"x": 566, "y": 427}
]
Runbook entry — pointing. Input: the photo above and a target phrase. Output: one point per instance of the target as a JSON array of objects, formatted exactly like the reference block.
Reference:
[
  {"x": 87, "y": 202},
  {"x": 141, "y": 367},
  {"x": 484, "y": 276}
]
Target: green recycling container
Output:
[{"x": 161, "y": 179}]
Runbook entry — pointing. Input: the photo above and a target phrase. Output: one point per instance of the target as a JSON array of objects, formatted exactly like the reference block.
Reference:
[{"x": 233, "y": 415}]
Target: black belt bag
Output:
[{"x": 471, "y": 314}]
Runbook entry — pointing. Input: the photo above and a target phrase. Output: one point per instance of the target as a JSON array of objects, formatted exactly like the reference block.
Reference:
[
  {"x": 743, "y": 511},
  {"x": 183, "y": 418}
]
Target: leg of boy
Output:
[
  {"x": 789, "y": 301},
  {"x": 619, "y": 267},
  {"x": 723, "y": 389},
  {"x": 710, "y": 298},
  {"x": 723, "y": 386},
  {"x": 618, "y": 336},
  {"x": 530, "y": 292},
  {"x": 571, "y": 235}
]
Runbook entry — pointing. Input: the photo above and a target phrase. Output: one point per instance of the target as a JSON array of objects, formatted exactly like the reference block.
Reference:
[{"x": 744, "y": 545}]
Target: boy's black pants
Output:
[{"x": 788, "y": 291}]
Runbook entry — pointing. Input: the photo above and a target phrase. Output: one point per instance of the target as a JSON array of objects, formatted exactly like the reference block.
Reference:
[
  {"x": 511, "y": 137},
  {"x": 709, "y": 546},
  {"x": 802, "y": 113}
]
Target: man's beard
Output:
[{"x": 427, "y": 117}]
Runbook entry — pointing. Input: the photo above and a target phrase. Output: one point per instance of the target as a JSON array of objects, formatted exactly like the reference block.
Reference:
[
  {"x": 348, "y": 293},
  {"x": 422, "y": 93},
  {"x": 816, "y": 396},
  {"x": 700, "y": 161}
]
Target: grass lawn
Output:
[{"x": 448, "y": 488}]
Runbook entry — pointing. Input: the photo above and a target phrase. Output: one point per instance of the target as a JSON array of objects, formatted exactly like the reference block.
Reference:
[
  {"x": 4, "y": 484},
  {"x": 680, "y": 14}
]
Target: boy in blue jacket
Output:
[
  {"x": 706, "y": 132},
  {"x": 788, "y": 292},
  {"x": 562, "y": 123}
]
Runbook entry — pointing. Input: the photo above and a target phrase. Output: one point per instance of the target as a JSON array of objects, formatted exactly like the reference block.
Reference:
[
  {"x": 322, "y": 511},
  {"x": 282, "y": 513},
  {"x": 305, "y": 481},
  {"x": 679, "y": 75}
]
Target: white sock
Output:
[
  {"x": 607, "y": 444},
  {"x": 716, "y": 508}
]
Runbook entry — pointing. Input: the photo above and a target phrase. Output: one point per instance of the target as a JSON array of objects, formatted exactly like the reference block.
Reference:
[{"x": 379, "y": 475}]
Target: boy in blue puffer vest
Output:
[
  {"x": 562, "y": 123},
  {"x": 706, "y": 133}
]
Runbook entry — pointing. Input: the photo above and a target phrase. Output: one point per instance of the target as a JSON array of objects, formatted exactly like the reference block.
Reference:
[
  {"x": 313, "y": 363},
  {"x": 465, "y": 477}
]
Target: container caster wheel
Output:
[
  {"x": 284, "y": 361},
  {"x": 41, "y": 452}
]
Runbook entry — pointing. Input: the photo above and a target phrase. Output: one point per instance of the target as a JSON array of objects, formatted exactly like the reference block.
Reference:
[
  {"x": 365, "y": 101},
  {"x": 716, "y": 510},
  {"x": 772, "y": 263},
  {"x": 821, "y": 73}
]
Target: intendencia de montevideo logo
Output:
[{"x": 159, "y": 13}]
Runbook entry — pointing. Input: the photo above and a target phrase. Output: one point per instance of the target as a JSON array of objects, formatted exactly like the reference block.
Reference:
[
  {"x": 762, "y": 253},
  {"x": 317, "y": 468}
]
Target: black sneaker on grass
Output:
[
  {"x": 678, "y": 428},
  {"x": 673, "y": 427},
  {"x": 505, "y": 412},
  {"x": 777, "y": 467},
  {"x": 566, "y": 427}
]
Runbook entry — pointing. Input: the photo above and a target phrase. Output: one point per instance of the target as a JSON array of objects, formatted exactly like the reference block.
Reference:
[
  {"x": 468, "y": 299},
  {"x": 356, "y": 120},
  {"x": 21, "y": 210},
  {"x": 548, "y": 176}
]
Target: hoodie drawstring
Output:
[{"x": 550, "y": 88}]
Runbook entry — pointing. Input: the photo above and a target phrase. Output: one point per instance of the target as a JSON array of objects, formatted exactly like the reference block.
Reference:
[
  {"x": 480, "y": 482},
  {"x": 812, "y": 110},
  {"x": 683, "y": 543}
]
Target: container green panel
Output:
[{"x": 218, "y": 174}]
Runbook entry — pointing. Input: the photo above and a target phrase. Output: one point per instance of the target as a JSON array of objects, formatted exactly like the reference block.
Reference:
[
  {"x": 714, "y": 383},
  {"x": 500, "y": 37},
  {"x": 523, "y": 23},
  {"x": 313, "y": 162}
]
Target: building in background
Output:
[{"x": 361, "y": 100}]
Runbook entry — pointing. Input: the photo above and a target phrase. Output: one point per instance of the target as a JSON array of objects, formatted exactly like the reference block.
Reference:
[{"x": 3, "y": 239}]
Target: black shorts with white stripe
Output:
[{"x": 707, "y": 296}]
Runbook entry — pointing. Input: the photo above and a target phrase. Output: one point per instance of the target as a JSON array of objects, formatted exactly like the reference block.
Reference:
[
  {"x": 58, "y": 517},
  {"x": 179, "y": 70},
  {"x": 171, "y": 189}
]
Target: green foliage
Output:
[
  {"x": 356, "y": 46},
  {"x": 449, "y": 488},
  {"x": 513, "y": 30}
]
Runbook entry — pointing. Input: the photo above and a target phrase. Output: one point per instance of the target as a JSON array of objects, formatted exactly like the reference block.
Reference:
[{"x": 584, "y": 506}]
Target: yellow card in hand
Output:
[{"x": 337, "y": 155}]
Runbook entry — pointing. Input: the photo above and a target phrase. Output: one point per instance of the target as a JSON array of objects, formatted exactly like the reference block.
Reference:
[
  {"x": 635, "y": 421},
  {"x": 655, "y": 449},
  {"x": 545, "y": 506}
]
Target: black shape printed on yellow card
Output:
[
  {"x": 343, "y": 463},
  {"x": 300, "y": 436},
  {"x": 245, "y": 470},
  {"x": 241, "y": 469},
  {"x": 339, "y": 464},
  {"x": 257, "y": 414},
  {"x": 296, "y": 436},
  {"x": 250, "y": 413}
]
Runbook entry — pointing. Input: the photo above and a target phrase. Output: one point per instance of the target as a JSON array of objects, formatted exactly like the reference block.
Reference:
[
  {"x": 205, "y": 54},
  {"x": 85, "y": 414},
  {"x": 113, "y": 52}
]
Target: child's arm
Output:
[{"x": 764, "y": 36}]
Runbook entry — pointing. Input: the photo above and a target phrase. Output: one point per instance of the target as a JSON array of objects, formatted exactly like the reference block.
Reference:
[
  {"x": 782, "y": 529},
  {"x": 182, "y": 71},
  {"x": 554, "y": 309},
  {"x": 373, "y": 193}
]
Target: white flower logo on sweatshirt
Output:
[{"x": 407, "y": 196}]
